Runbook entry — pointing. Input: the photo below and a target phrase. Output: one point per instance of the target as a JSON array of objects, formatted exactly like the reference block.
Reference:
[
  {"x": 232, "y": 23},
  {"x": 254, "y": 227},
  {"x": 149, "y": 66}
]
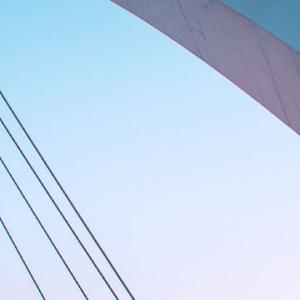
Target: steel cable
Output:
[
  {"x": 58, "y": 209},
  {"x": 42, "y": 227},
  {"x": 100, "y": 248},
  {"x": 22, "y": 259}
]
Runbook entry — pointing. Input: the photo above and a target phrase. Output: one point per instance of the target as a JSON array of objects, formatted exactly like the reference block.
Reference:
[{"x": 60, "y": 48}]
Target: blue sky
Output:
[{"x": 191, "y": 186}]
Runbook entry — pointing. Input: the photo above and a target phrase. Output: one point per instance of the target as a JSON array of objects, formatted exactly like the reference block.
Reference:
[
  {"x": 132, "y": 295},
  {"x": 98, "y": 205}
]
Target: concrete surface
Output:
[{"x": 252, "y": 58}]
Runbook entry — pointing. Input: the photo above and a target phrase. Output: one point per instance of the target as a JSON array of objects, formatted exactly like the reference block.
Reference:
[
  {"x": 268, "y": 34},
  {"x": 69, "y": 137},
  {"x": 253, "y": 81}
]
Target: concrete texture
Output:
[
  {"x": 252, "y": 58},
  {"x": 280, "y": 17}
]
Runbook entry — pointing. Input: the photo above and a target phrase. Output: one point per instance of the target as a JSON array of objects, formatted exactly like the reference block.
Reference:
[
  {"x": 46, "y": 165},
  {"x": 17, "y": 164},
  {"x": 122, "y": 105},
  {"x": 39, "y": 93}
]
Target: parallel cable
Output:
[
  {"x": 100, "y": 248},
  {"x": 42, "y": 227},
  {"x": 58, "y": 209},
  {"x": 22, "y": 259}
]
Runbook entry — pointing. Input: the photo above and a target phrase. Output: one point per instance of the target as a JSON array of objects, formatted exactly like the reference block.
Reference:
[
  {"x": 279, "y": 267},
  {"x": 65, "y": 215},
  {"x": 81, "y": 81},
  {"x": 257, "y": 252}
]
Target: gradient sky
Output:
[{"x": 191, "y": 186}]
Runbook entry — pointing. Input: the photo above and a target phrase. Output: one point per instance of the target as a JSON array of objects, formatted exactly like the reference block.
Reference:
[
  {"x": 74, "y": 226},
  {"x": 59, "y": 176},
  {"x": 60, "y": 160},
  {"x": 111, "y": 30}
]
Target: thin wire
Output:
[
  {"x": 59, "y": 210},
  {"x": 42, "y": 227},
  {"x": 22, "y": 259},
  {"x": 100, "y": 248}
]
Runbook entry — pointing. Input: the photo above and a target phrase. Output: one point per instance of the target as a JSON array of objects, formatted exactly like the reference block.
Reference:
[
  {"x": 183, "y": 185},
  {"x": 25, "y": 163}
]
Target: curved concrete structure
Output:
[
  {"x": 223, "y": 35},
  {"x": 280, "y": 17}
]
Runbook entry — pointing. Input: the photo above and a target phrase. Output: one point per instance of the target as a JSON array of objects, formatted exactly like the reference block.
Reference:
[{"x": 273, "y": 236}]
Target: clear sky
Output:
[{"x": 191, "y": 186}]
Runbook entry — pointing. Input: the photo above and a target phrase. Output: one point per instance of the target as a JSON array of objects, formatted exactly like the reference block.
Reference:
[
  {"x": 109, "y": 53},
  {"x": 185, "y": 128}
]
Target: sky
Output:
[{"x": 190, "y": 185}]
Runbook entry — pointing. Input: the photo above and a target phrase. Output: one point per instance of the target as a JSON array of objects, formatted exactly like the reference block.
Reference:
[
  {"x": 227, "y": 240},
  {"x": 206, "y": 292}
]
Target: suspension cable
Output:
[
  {"x": 22, "y": 259},
  {"x": 42, "y": 226},
  {"x": 58, "y": 209},
  {"x": 100, "y": 248}
]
